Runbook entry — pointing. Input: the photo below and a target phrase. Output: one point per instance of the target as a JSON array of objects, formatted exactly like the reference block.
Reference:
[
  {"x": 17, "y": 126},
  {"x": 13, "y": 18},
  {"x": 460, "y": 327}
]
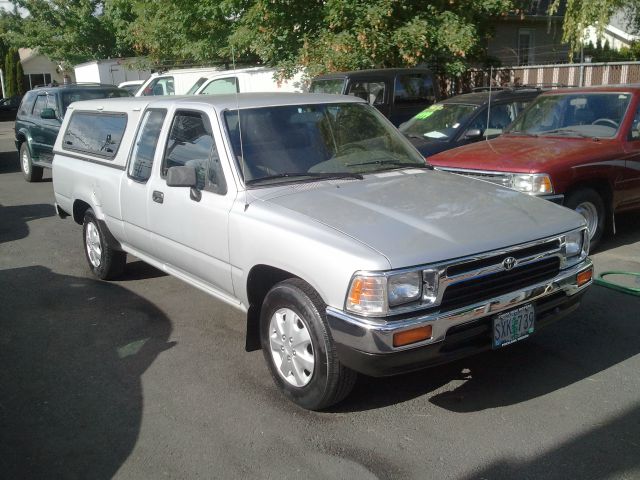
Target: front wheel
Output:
[
  {"x": 589, "y": 204},
  {"x": 30, "y": 172},
  {"x": 298, "y": 347},
  {"x": 104, "y": 262}
]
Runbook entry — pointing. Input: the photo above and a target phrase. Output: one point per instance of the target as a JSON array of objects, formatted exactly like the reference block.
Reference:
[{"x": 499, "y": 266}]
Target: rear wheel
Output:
[
  {"x": 589, "y": 204},
  {"x": 298, "y": 347},
  {"x": 31, "y": 173},
  {"x": 104, "y": 262}
]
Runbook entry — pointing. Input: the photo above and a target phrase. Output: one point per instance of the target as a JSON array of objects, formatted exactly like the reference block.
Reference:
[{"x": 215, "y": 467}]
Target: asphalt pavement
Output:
[{"x": 147, "y": 377}]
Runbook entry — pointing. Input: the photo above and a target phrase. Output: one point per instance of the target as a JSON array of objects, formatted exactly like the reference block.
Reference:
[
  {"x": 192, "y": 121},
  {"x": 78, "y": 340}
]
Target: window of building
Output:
[{"x": 525, "y": 46}]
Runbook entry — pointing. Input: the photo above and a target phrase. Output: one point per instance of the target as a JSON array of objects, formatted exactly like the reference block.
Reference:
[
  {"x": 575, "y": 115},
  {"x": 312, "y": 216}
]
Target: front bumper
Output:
[{"x": 366, "y": 344}]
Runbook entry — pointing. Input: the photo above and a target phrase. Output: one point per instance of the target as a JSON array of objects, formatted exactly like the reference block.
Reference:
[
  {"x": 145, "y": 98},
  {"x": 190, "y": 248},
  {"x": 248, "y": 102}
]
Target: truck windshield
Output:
[
  {"x": 438, "y": 122},
  {"x": 575, "y": 114},
  {"x": 307, "y": 142},
  {"x": 335, "y": 86}
]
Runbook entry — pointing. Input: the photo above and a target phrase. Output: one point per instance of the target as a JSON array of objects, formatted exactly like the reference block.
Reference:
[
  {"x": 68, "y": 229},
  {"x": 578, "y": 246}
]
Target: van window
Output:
[
  {"x": 196, "y": 86},
  {"x": 77, "y": 95},
  {"x": 414, "y": 88},
  {"x": 41, "y": 104},
  {"x": 160, "y": 86},
  {"x": 372, "y": 92},
  {"x": 191, "y": 143},
  {"x": 334, "y": 85},
  {"x": 144, "y": 148},
  {"x": 95, "y": 133},
  {"x": 221, "y": 85}
]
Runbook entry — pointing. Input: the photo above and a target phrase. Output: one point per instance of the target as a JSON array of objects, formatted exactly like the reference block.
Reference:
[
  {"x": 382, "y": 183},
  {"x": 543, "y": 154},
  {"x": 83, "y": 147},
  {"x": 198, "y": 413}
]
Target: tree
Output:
[
  {"x": 580, "y": 14},
  {"x": 20, "y": 90},
  {"x": 68, "y": 31},
  {"x": 10, "y": 86}
]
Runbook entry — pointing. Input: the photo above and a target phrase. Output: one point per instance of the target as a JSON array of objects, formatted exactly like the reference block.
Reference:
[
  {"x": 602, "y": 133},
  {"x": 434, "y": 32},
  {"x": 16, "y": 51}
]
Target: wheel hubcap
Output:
[
  {"x": 94, "y": 247},
  {"x": 291, "y": 347},
  {"x": 25, "y": 162},
  {"x": 590, "y": 213}
]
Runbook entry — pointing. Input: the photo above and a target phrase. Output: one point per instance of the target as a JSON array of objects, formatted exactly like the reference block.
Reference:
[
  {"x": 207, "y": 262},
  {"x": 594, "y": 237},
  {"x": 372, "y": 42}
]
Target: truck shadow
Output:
[
  {"x": 73, "y": 356},
  {"x": 9, "y": 162},
  {"x": 627, "y": 232},
  {"x": 14, "y": 219},
  {"x": 609, "y": 450},
  {"x": 566, "y": 352}
]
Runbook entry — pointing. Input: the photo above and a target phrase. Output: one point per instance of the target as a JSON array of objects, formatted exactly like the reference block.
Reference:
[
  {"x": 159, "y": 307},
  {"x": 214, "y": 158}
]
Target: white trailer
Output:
[{"x": 110, "y": 71}]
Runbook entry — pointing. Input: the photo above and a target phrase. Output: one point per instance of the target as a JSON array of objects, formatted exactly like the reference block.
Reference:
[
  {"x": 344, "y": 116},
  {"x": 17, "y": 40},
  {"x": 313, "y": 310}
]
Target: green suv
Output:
[{"x": 39, "y": 118}]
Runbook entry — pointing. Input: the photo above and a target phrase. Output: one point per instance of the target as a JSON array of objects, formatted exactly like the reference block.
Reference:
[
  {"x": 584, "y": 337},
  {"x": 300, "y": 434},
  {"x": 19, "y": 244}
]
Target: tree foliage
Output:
[
  {"x": 10, "y": 86},
  {"x": 319, "y": 35},
  {"x": 580, "y": 14}
]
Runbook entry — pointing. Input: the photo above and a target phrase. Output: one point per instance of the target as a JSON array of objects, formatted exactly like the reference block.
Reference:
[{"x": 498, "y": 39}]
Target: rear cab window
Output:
[{"x": 98, "y": 134}]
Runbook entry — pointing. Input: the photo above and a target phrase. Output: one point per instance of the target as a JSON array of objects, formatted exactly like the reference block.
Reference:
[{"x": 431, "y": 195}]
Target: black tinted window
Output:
[
  {"x": 77, "y": 95},
  {"x": 41, "y": 104},
  {"x": 144, "y": 148},
  {"x": 95, "y": 133},
  {"x": 414, "y": 88}
]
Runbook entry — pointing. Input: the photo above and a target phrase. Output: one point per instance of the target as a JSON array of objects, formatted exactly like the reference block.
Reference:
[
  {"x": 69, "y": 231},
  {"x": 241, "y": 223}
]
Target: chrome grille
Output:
[
  {"x": 477, "y": 289},
  {"x": 498, "y": 178}
]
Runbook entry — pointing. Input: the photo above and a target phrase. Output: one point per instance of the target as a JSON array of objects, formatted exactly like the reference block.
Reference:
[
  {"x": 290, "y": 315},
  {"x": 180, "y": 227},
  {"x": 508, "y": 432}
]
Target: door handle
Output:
[{"x": 157, "y": 196}]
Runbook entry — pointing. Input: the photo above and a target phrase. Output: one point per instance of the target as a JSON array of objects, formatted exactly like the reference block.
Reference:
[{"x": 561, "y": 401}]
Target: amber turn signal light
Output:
[
  {"x": 584, "y": 277},
  {"x": 412, "y": 336}
]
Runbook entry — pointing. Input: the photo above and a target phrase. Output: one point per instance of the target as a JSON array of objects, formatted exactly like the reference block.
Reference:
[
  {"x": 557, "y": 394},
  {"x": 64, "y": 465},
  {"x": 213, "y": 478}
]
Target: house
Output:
[
  {"x": 39, "y": 70},
  {"x": 616, "y": 33},
  {"x": 529, "y": 37}
]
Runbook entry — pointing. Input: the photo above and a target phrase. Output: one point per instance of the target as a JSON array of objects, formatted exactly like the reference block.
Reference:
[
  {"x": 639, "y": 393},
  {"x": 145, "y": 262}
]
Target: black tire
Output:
[
  {"x": 587, "y": 199},
  {"x": 104, "y": 262},
  {"x": 30, "y": 172},
  {"x": 330, "y": 381}
]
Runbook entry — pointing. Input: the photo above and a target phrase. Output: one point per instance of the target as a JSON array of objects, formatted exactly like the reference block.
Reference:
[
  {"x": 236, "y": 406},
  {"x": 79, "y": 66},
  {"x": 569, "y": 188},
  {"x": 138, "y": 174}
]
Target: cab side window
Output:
[
  {"x": 191, "y": 143},
  {"x": 634, "y": 133},
  {"x": 144, "y": 148}
]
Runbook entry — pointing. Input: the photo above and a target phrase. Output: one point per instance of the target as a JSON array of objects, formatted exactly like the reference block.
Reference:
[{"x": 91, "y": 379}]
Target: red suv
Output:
[{"x": 576, "y": 147}]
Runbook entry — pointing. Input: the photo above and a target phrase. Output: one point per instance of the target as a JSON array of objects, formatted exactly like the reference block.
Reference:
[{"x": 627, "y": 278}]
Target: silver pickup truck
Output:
[{"x": 318, "y": 219}]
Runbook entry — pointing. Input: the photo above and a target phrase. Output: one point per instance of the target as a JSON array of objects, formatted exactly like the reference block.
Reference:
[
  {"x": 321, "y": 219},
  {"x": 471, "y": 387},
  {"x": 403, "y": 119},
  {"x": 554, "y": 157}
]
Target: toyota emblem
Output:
[{"x": 509, "y": 262}]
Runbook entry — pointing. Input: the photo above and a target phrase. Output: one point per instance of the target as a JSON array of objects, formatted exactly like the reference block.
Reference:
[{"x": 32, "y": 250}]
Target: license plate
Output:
[{"x": 514, "y": 325}]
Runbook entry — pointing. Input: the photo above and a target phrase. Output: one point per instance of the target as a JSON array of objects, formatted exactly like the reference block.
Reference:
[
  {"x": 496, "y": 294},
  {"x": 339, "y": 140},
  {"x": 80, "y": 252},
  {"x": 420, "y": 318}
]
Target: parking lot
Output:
[{"x": 147, "y": 377}]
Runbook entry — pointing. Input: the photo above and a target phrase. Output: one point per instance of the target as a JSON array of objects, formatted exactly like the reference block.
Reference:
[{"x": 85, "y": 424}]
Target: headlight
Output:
[
  {"x": 576, "y": 243},
  {"x": 376, "y": 294},
  {"x": 404, "y": 288},
  {"x": 535, "y": 184}
]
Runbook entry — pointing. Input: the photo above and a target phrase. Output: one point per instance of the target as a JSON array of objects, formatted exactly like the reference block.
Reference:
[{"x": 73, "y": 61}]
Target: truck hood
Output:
[
  {"x": 415, "y": 217},
  {"x": 522, "y": 154}
]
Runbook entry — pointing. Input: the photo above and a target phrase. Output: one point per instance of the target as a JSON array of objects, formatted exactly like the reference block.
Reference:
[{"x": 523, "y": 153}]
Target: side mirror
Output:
[
  {"x": 48, "y": 114},
  {"x": 473, "y": 134},
  {"x": 182, "y": 177},
  {"x": 185, "y": 176}
]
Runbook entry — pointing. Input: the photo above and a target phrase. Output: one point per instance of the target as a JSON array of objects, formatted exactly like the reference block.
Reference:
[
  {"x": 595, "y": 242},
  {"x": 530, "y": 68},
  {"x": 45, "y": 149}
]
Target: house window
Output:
[
  {"x": 526, "y": 40},
  {"x": 39, "y": 79}
]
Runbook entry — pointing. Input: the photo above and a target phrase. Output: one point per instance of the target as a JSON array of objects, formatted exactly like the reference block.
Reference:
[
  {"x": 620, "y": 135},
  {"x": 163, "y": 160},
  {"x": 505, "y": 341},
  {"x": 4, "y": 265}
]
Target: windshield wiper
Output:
[
  {"x": 308, "y": 176},
  {"x": 566, "y": 130},
  {"x": 522, "y": 132},
  {"x": 396, "y": 163}
]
